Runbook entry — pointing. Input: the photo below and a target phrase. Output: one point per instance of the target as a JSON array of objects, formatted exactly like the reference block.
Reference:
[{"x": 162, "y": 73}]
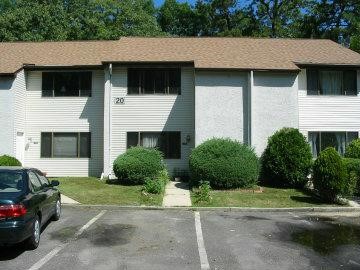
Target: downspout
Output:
[
  {"x": 194, "y": 96},
  {"x": 110, "y": 99},
  {"x": 251, "y": 83}
]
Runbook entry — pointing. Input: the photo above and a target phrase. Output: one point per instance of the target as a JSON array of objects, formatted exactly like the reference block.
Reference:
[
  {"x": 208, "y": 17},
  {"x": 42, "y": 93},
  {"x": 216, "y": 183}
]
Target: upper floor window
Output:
[
  {"x": 331, "y": 82},
  {"x": 154, "y": 81},
  {"x": 66, "y": 84}
]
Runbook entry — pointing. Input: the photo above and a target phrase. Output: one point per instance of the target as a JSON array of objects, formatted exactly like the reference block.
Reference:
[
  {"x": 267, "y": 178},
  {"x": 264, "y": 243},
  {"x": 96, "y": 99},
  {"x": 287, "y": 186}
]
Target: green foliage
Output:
[
  {"x": 355, "y": 43},
  {"x": 224, "y": 163},
  {"x": 202, "y": 194},
  {"x": 156, "y": 185},
  {"x": 353, "y": 149},
  {"x": 177, "y": 18},
  {"x": 329, "y": 174},
  {"x": 111, "y": 19},
  {"x": 77, "y": 20},
  {"x": 137, "y": 164},
  {"x": 352, "y": 166},
  {"x": 153, "y": 186},
  {"x": 6, "y": 160},
  {"x": 287, "y": 159},
  {"x": 274, "y": 16}
]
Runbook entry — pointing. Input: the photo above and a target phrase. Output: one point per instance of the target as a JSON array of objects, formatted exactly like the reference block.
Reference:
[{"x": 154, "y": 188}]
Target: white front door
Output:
[{"x": 20, "y": 146}]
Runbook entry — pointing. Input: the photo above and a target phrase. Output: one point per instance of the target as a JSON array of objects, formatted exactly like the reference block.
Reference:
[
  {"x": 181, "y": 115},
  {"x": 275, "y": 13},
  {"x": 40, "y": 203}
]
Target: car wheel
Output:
[
  {"x": 57, "y": 213},
  {"x": 34, "y": 240}
]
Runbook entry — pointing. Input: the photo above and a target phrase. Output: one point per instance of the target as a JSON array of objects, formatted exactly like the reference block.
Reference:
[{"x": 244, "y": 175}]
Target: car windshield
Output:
[{"x": 11, "y": 181}]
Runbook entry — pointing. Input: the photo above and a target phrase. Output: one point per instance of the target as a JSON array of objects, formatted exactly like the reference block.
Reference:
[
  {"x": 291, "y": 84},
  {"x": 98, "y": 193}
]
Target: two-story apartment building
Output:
[{"x": 70, "y": 108}]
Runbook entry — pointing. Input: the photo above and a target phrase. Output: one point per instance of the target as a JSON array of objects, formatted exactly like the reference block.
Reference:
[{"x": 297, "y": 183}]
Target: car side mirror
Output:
[{"x": 54, "y": 183}]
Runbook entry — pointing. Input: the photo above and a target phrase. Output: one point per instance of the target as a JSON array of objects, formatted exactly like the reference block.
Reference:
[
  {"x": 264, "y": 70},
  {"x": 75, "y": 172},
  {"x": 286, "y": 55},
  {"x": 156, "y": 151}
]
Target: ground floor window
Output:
[
  {"x": 65, "y": 145},
  {"x": 339, "y": 140},
  {"x": 169, "y": 142}
]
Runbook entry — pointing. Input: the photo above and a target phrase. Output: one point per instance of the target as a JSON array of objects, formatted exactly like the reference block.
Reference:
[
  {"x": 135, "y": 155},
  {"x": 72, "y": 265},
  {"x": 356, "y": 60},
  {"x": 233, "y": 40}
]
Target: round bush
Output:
[
  {"x": 287, "y": 159},
  {"x": 352, "y": 166},
  {"x": 353, "y": 149},
  {"x": 224, "y": 163},
  {"x": 329, "y": 174},
  {"x": 137, "y": 164},
  {"x": 9, "y": 161}
]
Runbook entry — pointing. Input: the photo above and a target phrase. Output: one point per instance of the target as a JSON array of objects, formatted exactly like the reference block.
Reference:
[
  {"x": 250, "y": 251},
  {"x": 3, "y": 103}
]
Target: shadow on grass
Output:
[
  {"x": 307, "y": 199},
  {"x": 120, "y": 183},
  {"x": 307, "y": 195}
]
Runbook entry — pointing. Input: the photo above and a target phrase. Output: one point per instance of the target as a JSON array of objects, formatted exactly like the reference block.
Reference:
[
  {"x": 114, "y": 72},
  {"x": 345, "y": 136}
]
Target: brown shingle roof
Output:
[{"x": 211, "y": 53}]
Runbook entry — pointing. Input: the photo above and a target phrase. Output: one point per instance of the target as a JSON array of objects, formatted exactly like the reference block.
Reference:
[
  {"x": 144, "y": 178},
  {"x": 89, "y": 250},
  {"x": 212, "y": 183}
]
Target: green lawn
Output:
[
  {"x": 90, "y": 190},
  {"x": 270, "y": 197}
]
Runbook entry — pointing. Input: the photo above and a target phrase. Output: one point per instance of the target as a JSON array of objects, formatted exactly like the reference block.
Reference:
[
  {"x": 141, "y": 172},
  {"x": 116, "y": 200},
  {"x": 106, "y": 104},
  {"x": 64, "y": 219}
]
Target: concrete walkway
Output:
[
  {"x": 355, "y": 202},
  {"x": 177, "y": 194},
  {"x": 67, "y": 200}
]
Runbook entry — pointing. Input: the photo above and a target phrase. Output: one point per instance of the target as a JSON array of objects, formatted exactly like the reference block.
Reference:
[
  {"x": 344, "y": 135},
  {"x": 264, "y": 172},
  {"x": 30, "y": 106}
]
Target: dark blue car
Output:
[{"x": 27, "y": 201}]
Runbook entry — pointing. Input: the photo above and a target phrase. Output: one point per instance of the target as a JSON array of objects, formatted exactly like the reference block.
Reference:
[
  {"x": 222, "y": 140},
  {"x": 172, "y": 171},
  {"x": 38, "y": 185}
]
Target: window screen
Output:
[
  {"x": 312, "y": 82},
  {"x": 132, "y": 139},
  {"x": 85, "y": 145},
  {"x": 154, "y": 81},
  {"x": 66, "y": 145},
  {"x": 134, "y": 81},
  {"x": 47, "y": 84},
  {"x": 66, "y": 84},
  {"x": 339, "y": 140},
  {"x": 168, "y": 142},
  {"x": 175, "y": 81},
  {"x": 350, "y": 82},
  {"x": 331, "y": 82},
  {"x": 46, "y": 145}
]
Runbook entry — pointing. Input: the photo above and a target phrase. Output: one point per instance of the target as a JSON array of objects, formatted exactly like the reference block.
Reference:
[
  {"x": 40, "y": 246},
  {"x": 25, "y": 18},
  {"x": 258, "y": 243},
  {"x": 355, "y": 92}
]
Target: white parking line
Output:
[
  {"x": 56, "y": 250},
  {"x": 201, "y": 245}
]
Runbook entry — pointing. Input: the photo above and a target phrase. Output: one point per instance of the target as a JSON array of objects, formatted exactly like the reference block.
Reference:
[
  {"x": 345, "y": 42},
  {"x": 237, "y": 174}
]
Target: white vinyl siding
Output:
[
  {"x": 152, "y": 113},
  {"x": 7, "y": 115},
  {"x": 65, "y": 114},
  {"x": 19, "y": 105},
  {"x": 327, "y": 113}
]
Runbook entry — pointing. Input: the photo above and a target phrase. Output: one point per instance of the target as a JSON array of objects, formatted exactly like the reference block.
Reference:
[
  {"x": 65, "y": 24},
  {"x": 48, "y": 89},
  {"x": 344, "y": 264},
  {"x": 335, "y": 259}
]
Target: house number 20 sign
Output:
[{"x": 119, "y": 100}]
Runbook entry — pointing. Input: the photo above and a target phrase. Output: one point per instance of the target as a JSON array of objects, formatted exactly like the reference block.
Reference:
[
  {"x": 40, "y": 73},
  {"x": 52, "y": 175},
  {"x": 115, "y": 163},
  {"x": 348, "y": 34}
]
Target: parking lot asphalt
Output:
[{"x": 88, "y": 238}]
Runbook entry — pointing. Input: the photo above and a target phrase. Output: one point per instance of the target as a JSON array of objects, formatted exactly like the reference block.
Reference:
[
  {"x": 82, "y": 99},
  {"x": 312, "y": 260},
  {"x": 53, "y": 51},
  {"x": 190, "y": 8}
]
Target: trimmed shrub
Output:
[
  {"x": 352, "y": 166},
  {"x": 353, "y": 149},
  {"x": 6, "y": 160},
  {"x": 287, "y": 159},
  {"x": 329, "y": 174},
  {"x": 137, "y": 164},
  {"x": 224, "y": 163}
]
